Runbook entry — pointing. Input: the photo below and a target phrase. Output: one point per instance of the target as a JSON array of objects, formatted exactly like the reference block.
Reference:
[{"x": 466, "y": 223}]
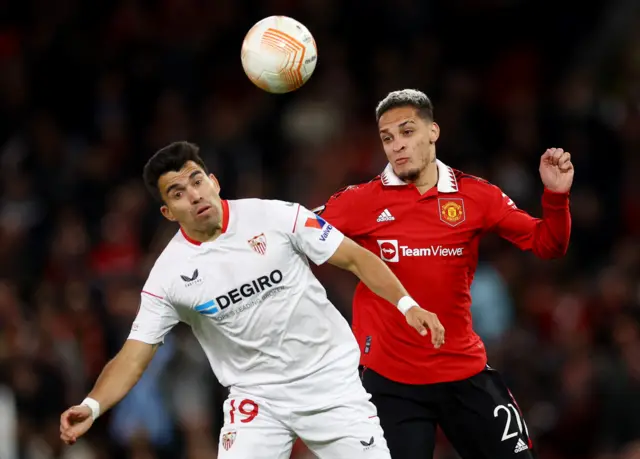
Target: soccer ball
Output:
[{"x": 279, "y": 54}]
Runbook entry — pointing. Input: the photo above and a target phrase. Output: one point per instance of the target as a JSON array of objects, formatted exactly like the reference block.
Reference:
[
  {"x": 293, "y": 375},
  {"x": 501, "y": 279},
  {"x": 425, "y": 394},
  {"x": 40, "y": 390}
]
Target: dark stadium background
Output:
[{"x": 89, "y": 90}]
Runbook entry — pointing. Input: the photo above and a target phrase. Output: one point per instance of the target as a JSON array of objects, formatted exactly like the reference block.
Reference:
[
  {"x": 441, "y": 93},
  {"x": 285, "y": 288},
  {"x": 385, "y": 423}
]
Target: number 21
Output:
[{"x": 506, "y": 435}]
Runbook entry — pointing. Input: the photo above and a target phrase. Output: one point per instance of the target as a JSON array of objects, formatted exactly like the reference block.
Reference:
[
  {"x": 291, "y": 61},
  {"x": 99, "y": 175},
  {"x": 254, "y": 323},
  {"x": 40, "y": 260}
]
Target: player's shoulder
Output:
[
  {"x": 166, "y": 266},
  {"x": 257, "y": 208},
  {"x": 265, "y": 213},
  {"x": 472, "y": 184},
  {"x": 358, "y": 190},
  {"x": 352, "y": 194}
]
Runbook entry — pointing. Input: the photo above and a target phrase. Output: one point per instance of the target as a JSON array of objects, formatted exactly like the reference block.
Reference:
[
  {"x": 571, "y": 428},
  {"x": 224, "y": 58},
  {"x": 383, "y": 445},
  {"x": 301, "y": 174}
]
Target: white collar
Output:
[{"x": 447, "y": 182}]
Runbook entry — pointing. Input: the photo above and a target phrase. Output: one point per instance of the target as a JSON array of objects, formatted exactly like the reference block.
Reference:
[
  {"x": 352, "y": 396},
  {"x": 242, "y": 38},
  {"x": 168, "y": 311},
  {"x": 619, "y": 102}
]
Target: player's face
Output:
[
  {"x": 408, "y": 141},
  {"x": 191, "y": 198}
]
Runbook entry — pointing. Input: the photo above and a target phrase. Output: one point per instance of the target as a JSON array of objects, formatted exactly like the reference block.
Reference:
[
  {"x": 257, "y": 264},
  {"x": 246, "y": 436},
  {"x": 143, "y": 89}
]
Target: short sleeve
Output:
[
  {"x": 314, "y": 236},
  {"x": 340, "y": 210},
  {"x": 156, "y": 316}
]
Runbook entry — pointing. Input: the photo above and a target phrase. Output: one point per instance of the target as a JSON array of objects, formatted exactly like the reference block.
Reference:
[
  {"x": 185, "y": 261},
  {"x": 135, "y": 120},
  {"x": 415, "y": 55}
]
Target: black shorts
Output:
[{"x": 478, "y": 415}]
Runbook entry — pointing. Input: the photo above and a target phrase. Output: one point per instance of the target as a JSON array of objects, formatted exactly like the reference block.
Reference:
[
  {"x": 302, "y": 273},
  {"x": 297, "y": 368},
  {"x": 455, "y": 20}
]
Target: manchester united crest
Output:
[
  {"x": 227, "y": 439},
  {"x": 452, "y": 211},
  {"x": 259, "y": 243}
]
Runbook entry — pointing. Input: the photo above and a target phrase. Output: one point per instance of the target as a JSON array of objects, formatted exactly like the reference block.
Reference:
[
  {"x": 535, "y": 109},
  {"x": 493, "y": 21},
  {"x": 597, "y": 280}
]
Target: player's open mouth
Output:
[{"x": 202, "y": 210}]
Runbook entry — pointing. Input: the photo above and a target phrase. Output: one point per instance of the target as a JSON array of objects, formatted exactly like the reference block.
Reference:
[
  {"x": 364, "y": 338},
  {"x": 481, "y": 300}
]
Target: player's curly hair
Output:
[
  {"x": 173, "y": 157},
  {"x": 406, "y": 98}
]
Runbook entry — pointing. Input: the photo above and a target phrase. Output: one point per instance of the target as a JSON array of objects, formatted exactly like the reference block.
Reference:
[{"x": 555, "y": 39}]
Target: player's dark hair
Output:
[
  {"x": 406, "y": 98},
  {"x": 173, "y": 157}
]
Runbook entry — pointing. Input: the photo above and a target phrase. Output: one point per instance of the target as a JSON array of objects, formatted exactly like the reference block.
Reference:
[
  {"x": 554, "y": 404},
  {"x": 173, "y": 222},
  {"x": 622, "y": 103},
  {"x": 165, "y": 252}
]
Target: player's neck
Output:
[
  {"x": 202, "y": 236},
  {"x": 428, "y": 178}
]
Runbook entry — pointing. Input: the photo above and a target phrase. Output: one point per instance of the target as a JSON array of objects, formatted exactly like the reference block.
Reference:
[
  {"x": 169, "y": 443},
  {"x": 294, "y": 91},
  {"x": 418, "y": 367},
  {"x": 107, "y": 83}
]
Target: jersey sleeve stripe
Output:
[
  {"x": 295, "y": 222},
  {"x": 153, "y": 294}
]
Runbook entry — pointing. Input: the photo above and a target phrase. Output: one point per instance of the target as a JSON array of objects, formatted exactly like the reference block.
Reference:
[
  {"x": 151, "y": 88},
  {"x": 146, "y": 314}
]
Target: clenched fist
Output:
[{"x": 556, "y": 170}]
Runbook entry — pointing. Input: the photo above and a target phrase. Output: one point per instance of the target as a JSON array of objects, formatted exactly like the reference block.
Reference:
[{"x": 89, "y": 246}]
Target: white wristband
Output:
[
  {"x": 93, "y": 405},
  {"x": 406, "y": 303}
]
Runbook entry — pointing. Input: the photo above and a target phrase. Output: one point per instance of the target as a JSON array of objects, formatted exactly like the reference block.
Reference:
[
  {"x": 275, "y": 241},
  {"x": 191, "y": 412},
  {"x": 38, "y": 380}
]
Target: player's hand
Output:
[
  {"x": 556, "y": 170},
  {"x": 422, "y": 320},
  {"x": 74, "y": 423}
]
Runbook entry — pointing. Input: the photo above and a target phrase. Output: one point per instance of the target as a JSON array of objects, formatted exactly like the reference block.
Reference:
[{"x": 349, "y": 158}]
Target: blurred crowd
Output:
[{"x": 89, "y": 90}]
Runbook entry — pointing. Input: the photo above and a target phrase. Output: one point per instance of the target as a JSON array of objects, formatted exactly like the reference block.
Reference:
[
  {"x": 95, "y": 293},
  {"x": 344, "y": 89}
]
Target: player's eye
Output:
[
  {"x": 386, "y": 139},
  {"x": 198, "y": 182},
  {"x": 408, "y": 131},
  {"x": 177, "y": 195}
]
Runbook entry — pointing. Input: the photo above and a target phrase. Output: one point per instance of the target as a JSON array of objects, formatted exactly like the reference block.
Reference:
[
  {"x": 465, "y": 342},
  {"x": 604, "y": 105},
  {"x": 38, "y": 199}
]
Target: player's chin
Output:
[
  {"x": 207, "y": 221},
  {"x": 407, "y": 172}
]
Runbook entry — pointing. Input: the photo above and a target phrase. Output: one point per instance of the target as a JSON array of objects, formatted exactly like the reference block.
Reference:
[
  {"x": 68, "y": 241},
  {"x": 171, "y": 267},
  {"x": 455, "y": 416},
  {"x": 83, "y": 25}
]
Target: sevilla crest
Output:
[
  {"x": 259, "y": 243},
  {"x": 227, "y": 439}
]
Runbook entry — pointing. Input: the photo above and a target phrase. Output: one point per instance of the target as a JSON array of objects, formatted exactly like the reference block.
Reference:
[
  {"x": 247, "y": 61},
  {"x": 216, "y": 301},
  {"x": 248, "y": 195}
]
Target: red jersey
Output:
[{"x": 430, "y": 242}]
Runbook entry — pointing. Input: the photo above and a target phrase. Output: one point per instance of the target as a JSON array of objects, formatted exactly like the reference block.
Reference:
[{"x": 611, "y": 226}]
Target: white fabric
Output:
[
  {"x": 93, "y": 405},
  {"x": 447, "y": 182},
  {"x": 345, "y": 428},
  {"x": 405, "y": 303},
  {"x": 253, "y": 303}
]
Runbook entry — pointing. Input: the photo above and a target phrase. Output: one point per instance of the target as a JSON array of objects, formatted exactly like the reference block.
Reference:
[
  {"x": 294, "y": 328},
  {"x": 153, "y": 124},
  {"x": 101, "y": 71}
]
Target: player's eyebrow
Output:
[
  {"x": 400, "y": 126},
  {"x": 176, "y": 186}
]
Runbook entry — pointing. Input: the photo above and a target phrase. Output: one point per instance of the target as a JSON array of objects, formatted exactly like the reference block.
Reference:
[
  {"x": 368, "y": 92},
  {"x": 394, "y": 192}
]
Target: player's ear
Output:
[
  {"x": 434, "y": 132},
  {"x": 216, "y": 184},
  {"x": 166, "y": 213}
]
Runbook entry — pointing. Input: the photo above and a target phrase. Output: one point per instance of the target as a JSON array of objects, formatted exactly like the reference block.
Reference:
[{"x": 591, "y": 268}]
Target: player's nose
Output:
[
  {"x": 195, "y": 196},
  {"x": 398, "y": 145}
]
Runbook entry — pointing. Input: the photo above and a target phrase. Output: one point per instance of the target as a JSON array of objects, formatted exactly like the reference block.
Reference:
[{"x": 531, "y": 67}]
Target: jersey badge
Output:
[
  {"x": 316, "y": 222},
  {"x": 259, "y": 243},
  {"x": 452, "y": 211},
  {"x": 227, "y": 439}
]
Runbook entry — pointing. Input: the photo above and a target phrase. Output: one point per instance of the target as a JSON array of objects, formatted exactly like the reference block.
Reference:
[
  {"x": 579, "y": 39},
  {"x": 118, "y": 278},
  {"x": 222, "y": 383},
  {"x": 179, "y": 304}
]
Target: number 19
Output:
[{"x": 247, "y": 408}]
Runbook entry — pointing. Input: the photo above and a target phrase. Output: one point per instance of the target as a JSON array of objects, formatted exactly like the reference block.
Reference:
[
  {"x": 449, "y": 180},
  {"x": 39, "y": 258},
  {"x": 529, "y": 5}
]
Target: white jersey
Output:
[{"x": 253, "y": 303}]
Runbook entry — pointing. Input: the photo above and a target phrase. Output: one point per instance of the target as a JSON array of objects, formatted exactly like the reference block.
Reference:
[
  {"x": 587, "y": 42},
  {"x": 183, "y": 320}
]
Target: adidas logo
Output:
[
  {"x": 385, "y": 216},
  {"x": 520, "y": 446}
]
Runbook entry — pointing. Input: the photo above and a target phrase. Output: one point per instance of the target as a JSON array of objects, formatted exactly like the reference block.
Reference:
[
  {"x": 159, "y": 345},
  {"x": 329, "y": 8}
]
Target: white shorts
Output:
[{"x": 256, "y": 429}]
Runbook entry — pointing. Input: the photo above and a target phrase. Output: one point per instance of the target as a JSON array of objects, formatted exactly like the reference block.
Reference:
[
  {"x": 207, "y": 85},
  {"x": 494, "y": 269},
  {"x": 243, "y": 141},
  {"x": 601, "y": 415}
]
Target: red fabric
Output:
[
  {"x": 435, "y": 238},
  {"x": 225, "y": 223}
]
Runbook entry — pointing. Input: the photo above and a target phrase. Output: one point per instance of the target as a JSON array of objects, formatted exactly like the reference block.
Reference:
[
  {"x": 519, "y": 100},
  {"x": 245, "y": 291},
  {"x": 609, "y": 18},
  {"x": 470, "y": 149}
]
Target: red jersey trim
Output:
[
  {"x": 225, "y": 215},
  {"x": 153, "y": 295},
  {"x": 295, "y": 222},
  {"x": 186, "y": 236},
  {"x": 225, "y": 223}
]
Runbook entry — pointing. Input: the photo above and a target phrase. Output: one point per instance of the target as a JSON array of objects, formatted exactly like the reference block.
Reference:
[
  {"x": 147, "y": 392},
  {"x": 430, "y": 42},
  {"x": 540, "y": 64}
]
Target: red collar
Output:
[{"x": 225, "y": 223}]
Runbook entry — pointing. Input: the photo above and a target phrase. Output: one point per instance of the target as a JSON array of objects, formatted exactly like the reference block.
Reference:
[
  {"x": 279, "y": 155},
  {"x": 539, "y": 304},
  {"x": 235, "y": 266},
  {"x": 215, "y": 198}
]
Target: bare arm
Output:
[
  {"x": 116, "y": 380},
  {"x": 369, "y": 269},
  {"x": 376, "y": 275},
  {"x": 321, "y": 242},
  {"x": 122, "y": 373},
  {"x": 549, "y": 236}
]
